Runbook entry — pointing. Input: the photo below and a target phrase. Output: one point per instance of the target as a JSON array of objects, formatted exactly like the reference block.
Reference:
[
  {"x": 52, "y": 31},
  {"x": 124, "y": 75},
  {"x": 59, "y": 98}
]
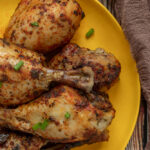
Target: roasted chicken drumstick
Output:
[
  {"x": 43, "y": 25},
  {"x": 105, "y": 65},
  {"x": 23, "y": 76},
  {"x": 62, "y": 115},
  {"x": 14, "y": 140},
  {"x": 10, "y": 140},
  {"x": 68, "y": 146}
]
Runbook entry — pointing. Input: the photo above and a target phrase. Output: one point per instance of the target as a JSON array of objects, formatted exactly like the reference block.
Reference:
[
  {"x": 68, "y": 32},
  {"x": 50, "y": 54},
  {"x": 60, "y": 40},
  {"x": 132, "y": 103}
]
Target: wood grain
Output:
[{"x": 139, "y": 137}]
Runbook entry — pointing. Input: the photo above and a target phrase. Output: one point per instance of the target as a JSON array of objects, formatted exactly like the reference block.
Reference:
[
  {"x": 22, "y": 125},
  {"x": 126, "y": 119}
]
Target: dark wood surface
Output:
[{"x": 139, "y": 136}]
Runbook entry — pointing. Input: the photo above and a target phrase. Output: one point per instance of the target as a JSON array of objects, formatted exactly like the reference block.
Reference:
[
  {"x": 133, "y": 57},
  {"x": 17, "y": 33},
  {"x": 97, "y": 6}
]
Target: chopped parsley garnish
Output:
[
  {"x": 18, "y": 65},
  {"x": 67, "y": 115},
  {"x": 41, "y": 125},
  {"x": 36, "y": 126},
  {"x": 44, "y": 124},
  {"x": 35, "y": 24},
  {"x": 90, "y": 33}
]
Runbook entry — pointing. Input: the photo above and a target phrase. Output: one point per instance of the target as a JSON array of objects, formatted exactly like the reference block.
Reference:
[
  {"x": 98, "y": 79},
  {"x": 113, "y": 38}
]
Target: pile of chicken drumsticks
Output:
[{"x": 61, "y": 100}]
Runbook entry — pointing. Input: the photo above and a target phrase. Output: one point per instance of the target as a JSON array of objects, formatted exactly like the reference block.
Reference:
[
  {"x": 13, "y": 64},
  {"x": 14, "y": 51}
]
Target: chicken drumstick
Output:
[
  {"x": 105, "y": 66},
  {"x": 62, "y": 115},
  {"x": 23, "y": 76}
]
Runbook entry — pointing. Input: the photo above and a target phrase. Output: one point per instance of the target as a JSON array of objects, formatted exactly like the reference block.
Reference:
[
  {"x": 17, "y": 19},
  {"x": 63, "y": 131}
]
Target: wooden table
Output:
[{"x": 139, "y": 137}]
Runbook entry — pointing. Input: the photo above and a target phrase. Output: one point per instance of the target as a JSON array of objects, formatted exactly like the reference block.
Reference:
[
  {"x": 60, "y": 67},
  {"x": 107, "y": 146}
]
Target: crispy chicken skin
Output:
[
  {"x": 43, "y": 25},
  {"x": 87, "y": 121},
  {"x": 67, "y": 146},
  {"x": 105, "y": 65},
  {"x": 14, "y": 140},
  {"x": 33, "y": 78},
  {"x": 20, "y": 141}
]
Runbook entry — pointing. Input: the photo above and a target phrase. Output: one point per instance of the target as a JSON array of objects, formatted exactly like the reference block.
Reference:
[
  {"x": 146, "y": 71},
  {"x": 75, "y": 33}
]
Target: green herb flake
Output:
[
  {"x": 0, "y": 84},
  {"x": 90, "y": 33},
  {"x": 67, "y": 115},
  {"x": 40, "y": 125},
  {"x": 44, "y": 124},
  {"x": 35, "y": 24},
  {"x": 18, "y": 65},
  {"x": 36, "y": 126}
]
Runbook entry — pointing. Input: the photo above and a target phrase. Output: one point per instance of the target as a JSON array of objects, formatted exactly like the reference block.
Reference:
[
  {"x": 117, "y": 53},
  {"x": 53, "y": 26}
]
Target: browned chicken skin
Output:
[
  {"x": 14, "y": 140},
  {"x": 67, "y": 146},
  {"x": 20, "y": 141},
  {"x": 33, "y": 78},
  {"x": 87, "y": 120},
  {"x": 105, "y": 66},
  {"x": 43, "y": 25}
]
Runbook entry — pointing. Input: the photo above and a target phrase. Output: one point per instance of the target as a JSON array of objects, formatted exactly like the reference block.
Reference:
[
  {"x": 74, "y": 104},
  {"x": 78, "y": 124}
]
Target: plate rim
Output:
[
  {"x": 138, "y": 82},
  {"x": 106, "y": 11}
]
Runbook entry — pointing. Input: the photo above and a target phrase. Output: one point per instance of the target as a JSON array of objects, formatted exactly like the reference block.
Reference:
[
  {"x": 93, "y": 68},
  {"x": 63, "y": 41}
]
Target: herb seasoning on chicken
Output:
[
  {"x": 105, "y": 66},
  {"x": 43, "y": 25},
  {"x": 22, "y": 82},
  {"x": 87, "y": 121}
]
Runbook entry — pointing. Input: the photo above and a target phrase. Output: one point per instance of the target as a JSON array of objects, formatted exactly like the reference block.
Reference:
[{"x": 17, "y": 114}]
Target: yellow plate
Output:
[{"x": 125, "y": 95}]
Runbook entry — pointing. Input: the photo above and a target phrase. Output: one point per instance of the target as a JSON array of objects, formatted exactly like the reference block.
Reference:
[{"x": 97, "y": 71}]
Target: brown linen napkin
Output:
[{"x": 134, "y": 17}]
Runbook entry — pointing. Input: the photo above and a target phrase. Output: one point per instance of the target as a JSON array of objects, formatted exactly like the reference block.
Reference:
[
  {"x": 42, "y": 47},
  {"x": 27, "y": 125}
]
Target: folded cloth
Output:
[{"x": 134, "y": 17}]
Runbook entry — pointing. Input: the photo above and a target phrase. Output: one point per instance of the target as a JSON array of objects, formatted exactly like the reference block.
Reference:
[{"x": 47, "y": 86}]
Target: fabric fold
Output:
[{"x": 134, "y": 17}]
